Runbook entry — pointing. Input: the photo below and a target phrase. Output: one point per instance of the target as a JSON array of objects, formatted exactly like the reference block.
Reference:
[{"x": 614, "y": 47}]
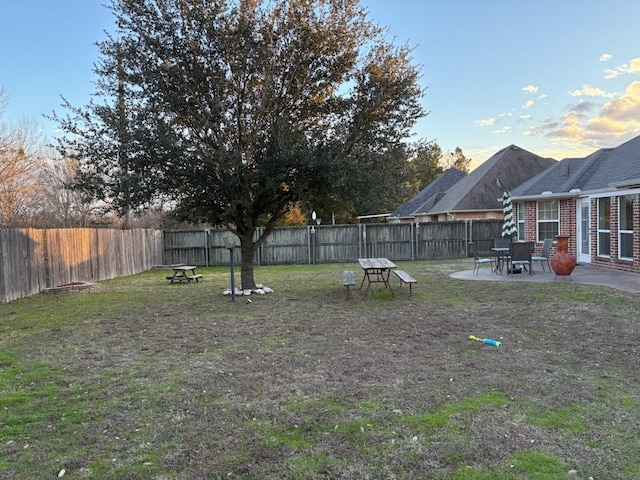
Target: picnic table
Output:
[
  {"x": 376, "y": 270},
  {"x": 184, "y": 273}
]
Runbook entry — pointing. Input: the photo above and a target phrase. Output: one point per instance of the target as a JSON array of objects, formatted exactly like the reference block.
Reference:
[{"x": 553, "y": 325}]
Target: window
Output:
[
  {"x": 604, "y": 227},
  {"x": 625, "y": 227},
  {"x": 520, "y": 207},
  {"x": 548, "y": 219}
]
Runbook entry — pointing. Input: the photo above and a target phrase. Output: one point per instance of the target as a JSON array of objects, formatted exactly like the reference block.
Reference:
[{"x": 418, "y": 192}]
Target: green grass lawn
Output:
[{"x": 138, "y": 378}]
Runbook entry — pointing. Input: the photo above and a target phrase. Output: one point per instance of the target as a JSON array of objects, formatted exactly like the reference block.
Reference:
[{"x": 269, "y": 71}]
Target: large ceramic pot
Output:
[{"x": 563, "y": 262}]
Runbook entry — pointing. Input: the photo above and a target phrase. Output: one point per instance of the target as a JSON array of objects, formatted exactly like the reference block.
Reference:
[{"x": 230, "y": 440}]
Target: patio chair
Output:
[
  {"x": 520, "y": 255},
  {"x": 501, "y": 243},
  {"x": 544, "y": 255},
  {"x": 479, "y": 260}
]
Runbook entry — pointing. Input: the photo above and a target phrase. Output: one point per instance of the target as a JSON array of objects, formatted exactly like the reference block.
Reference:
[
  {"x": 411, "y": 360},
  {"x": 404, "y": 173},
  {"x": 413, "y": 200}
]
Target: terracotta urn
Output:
[{"x": 563, "y": 262}]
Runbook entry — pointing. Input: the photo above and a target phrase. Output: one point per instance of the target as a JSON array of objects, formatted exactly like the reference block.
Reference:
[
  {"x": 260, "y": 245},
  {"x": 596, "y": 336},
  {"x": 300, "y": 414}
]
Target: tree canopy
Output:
[{"x": 230, "y": 112}]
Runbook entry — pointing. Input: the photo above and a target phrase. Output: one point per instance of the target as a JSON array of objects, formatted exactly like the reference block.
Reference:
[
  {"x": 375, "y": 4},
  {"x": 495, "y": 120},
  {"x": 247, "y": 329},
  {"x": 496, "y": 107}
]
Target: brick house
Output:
[{"x": 594, "y": 200}]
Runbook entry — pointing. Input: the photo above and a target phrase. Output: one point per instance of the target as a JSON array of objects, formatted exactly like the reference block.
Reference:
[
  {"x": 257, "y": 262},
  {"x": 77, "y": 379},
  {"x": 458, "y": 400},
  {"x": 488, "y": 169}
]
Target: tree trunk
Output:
[{"x": 247, "y": 249}]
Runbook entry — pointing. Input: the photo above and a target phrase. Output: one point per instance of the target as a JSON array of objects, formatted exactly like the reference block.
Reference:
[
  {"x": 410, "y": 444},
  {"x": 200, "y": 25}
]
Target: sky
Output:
[{"x": 560, "y": 78}]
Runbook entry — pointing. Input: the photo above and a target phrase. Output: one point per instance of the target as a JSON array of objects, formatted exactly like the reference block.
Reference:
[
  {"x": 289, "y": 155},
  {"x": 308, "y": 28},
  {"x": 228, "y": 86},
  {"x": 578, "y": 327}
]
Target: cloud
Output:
[
  {"x": 625, "y": 109},
  {"x": 487, "y": 122},
  {"x": 570, "y": 129},
  {"x": 589, "y": 91},
  {"x": 583, "y": 107},
  {"x": 586, "y": 126},
  {"x": 632, "y": 67},
  {"x": 535, "y": 130},
  {"x": 526, "y": 116},
  {"x": 528, "y": 104},
  {"x": 506, "y": 129},
  {"x": 530, "y": 89},
  {"x": 605, "y": 57}
]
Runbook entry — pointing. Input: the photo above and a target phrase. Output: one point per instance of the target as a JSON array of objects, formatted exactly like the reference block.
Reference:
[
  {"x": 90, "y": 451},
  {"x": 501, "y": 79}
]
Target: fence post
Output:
[
  {"x": 314, "y": 243},
  {"x": 468, "y": 227},
  {"x": 47, "y": 265},
  {"x": 206, "y": 247},
  {"x": 364, "y": 241},
  {"x": 413, "y": 250}
]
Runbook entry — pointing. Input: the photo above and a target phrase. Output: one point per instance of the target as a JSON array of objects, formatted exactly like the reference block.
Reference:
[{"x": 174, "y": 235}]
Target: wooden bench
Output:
[
  {"x": 405, "y": 278},
  {"x": 180, "y": 278},
  {"x": 348, "y": 280}
]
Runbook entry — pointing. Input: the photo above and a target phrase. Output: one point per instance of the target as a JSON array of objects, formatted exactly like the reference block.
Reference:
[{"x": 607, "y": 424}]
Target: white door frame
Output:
[{"x": 583, "y": 229}]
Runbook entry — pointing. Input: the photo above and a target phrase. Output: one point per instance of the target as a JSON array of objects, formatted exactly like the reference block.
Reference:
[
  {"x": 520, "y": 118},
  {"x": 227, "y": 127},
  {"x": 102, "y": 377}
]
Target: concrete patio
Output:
[{"x": 583, "y": 274}]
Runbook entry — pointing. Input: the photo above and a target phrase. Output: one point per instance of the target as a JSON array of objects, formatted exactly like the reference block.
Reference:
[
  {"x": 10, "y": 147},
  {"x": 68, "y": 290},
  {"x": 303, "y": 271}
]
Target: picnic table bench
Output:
[
  {"x": 405, "y": 278},
  {"x": 184, "y": 273},
  {"x": 348, "y": 280}
]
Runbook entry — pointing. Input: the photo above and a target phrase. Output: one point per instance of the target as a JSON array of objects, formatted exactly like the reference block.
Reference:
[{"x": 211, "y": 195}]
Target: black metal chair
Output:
[
  {"x": 520, "y": 255},
  {"x": 544, "y": 255},
  {"x": 479, "y": 260}
]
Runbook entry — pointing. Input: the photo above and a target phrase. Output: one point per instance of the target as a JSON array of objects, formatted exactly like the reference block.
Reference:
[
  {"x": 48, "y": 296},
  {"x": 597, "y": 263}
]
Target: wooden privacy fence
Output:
[
  {"x": 34, "y": 259},
  {"x": 338, "y": 243}
]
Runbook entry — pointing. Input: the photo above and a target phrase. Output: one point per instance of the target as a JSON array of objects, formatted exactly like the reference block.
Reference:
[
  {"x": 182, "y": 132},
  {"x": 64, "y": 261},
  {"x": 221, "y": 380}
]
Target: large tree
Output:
[{"x": 233, "y": 111}]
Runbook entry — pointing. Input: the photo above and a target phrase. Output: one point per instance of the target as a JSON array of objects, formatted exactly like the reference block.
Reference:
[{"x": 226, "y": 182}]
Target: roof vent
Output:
[
  {"x": 575, "y": 190},
  {"x": 548, "y": 192}
]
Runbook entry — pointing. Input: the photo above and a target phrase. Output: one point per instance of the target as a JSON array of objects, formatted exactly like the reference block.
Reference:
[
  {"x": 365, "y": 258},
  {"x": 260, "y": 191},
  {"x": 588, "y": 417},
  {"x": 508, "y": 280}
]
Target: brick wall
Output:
[{"x": 568, "y": 219}]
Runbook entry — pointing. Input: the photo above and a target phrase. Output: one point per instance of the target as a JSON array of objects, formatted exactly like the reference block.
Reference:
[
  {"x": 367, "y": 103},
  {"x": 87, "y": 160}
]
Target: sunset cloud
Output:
[
  {"x": 605, "y": 57},
  {"x": 528, "y": 104},
  {"x": 626, "y": 68},
  {"x": 589, "y": 91},
  {"x": 530, "y": 89},
  {"x": 506, "y": 129},
  {"x": 587, "y": 124},
  {"x": 626, "y": 108}
]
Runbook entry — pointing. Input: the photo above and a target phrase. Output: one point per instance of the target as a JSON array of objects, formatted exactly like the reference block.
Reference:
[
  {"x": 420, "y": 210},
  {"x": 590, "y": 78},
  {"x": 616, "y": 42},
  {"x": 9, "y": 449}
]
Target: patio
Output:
[{"x": 584, "y": 274}]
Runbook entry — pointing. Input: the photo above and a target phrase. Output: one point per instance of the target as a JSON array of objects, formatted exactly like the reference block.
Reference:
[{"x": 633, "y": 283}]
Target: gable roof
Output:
[
  {"x": 429, "y": 195},
  {"x": 483, "y": 187},
  {"x": 603, "y": 170}
]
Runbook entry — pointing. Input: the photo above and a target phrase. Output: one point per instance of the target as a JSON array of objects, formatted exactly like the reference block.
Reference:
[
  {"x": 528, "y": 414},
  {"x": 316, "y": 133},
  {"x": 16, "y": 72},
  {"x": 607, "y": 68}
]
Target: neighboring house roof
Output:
[
  {"x": 429, "y": 195},
  {"x": 482, "y": 189},
  {"x": 603, "y": 170}
]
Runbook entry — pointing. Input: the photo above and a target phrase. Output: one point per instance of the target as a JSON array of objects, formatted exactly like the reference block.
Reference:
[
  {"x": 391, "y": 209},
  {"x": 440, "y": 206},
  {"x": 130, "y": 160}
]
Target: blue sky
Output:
[{"x": 560, "y": 78}]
